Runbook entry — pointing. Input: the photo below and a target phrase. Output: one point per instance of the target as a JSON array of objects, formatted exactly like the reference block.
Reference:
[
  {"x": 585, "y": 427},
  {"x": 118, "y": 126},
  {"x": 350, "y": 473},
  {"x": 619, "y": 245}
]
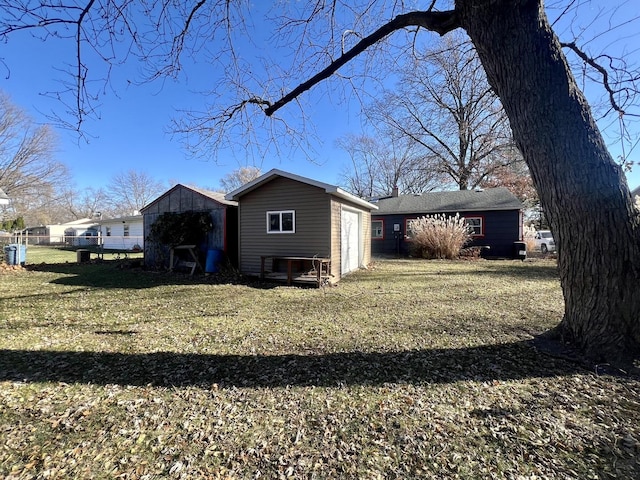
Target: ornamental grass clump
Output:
[
  {"x": 529, "y": 237},
  {"x": 439, "y": 236}
]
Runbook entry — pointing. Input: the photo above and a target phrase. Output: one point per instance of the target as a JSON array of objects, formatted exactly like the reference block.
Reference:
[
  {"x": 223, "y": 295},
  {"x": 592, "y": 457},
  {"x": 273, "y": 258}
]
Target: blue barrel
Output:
[
  {"x": 214, "y": 257},
  {"x": 15, "y": 254}
]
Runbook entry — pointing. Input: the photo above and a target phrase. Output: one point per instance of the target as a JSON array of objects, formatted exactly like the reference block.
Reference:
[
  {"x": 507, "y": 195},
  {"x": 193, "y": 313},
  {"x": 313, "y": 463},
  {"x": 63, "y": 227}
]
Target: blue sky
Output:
[{"x": 132, "y": 130}]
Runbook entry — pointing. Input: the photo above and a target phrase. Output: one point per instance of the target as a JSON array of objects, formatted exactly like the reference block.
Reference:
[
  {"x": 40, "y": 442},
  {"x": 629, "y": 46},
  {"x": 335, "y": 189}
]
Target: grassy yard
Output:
[
  {"x": 412, "y": 369},
  {"x": 37, "y": 254}
]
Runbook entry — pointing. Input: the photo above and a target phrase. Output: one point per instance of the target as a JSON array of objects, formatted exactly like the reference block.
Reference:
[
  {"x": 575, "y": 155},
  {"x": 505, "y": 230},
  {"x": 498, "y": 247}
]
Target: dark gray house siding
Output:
[
  {"x": 501, "y": 229},
  {"x": 181, "y": 198},
  {"x": 499, "y": 210}
]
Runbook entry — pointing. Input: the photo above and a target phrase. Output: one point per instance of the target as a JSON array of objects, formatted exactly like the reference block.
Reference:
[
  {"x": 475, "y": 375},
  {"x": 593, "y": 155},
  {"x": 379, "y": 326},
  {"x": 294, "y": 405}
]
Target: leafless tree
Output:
[
  {"x": 87, "y": 203},
  {"x": 379, "y": 164},
  {"x": 444, "y": 104},
  {"x": 129, "y": 191},
  {"x": 239, "y": 177},
  {"x": 581, "y": 187},
  {"x": 29, "y": 173}
]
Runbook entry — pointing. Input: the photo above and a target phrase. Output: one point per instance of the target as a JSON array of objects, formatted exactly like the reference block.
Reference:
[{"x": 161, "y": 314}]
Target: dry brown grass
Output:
[{"x": 412, "y": 369}]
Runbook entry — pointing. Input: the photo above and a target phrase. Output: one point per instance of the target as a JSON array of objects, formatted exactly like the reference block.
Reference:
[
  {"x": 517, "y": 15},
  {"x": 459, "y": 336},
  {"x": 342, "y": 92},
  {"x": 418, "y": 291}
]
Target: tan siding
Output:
[
  {"x": 366, "y": 235},
  {"x": 336, "y": 257},
  {"x": 336, "y": 239},
  {"x": 312, "y": 237}
]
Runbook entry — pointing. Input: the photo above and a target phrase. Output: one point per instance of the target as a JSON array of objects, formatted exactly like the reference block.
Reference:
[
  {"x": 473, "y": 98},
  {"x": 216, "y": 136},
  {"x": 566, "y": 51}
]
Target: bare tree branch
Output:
[
  {"x": 602, "y": 71},
  {"x": 440, "y": 22}
]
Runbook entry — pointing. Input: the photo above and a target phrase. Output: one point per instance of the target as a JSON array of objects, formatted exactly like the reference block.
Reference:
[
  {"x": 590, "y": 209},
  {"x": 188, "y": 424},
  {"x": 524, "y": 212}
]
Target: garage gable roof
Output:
[
  {"x": 447, "y": 202},
  {"x": 215, "y": 196},
  {"x": 271, "y": 174}
]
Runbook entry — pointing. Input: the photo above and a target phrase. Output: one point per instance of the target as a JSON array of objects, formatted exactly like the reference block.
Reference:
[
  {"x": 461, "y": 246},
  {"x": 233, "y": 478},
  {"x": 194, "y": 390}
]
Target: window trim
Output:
[
  {"x": 381, "y": 237},
  {"x": 477, "y": 217},
  {"x": 280, "y": 213},
  {"x": 406, "y": 235},
  {"x": 126, "y": 230}
]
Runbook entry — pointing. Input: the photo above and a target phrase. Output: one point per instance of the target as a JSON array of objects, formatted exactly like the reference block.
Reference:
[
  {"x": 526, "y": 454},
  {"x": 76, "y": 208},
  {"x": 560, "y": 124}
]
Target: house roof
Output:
[
  {"x": 215, "y": 196},
  {"x": 80, "y": 221},
  {"x": 635, "y": 192},
  {"x": 447, "y": 202},
  {"x": 271, "y": 174},
  {"x": 125, "y": 219}
]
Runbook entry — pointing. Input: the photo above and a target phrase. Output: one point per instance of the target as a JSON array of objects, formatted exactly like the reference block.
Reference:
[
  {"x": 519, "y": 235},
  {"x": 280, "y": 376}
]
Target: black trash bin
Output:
[
  {"x": 520, "y": 250},
  {"x": 83, "y": 255}
]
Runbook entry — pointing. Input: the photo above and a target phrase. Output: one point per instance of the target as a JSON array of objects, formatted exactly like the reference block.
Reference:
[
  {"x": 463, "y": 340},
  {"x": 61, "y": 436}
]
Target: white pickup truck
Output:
[{"x": 544, "y": 241}]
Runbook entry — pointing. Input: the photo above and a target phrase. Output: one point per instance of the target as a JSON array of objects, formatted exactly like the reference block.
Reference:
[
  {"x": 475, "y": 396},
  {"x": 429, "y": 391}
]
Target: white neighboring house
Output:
[
  {"x": 72, "y": 233},
  {"x": 82, "y": 234},
  {"x": 123, "y": 233}
]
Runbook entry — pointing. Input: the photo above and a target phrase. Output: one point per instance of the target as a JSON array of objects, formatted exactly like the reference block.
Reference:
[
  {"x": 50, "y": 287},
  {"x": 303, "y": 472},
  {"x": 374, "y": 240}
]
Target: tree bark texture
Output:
[{"x": 582, "y": 189}]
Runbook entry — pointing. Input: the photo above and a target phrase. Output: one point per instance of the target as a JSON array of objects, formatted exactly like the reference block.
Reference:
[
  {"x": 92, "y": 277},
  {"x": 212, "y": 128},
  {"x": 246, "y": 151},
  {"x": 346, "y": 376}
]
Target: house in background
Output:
[
  {"x": 122, "y": 233},
  {"x": 181, "y": 199},
  {"x": 494, "y": 215},
  {"x": 287, "y": 222},
  {"x": 61, "y": 233}
]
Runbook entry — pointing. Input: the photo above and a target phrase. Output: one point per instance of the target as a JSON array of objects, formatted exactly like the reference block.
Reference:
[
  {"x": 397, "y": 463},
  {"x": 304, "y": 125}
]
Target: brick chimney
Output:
[{"x": 394, "y": 191}]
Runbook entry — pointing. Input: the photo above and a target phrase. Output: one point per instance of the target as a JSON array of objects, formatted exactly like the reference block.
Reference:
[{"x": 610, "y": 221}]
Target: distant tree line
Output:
[
  {"x": 40, "y": 187},
  {"x": 439, "y": 127}
]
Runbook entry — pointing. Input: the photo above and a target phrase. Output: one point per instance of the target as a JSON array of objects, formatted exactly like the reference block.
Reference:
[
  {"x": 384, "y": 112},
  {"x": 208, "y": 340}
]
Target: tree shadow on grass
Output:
[
  {"x": 106, "y": 275},
  {"x": 125, "y": 275},
  {"x": 510, "y": 361}
]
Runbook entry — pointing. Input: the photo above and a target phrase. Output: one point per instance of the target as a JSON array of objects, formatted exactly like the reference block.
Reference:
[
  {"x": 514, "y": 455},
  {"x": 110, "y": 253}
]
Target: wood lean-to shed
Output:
[
  {"x": 283, "y": 215},
  {"x": 182, "y": 199}
]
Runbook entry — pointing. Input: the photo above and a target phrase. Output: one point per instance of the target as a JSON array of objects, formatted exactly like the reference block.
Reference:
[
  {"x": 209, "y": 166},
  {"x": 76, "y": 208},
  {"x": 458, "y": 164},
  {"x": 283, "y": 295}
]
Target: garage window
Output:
[{"x": 283, "y": 221}]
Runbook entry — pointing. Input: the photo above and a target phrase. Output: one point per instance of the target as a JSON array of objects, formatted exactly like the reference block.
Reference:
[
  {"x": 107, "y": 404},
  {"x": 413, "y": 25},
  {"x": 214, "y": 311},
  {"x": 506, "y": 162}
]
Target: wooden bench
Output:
[
  {"x": 176, "y": 261},
  {"x": 319, "y": 272}
]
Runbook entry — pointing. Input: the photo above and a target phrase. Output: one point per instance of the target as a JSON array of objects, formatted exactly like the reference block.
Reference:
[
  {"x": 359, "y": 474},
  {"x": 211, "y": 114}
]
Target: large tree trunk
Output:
[{"x": 583, "y": 191}]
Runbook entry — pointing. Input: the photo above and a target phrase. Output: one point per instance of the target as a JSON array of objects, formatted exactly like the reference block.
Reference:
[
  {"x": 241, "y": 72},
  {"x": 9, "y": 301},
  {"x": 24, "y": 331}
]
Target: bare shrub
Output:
[{"x": 439, "y": 236}]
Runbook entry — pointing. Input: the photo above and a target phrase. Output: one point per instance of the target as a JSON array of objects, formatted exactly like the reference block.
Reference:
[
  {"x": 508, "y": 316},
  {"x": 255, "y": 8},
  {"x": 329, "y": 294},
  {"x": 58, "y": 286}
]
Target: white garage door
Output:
[{"x": 350, "y": 239}]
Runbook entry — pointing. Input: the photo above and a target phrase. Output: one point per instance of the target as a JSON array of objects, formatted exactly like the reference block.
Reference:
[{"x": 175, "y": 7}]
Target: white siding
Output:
[{"x": 117, "y": 240}]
